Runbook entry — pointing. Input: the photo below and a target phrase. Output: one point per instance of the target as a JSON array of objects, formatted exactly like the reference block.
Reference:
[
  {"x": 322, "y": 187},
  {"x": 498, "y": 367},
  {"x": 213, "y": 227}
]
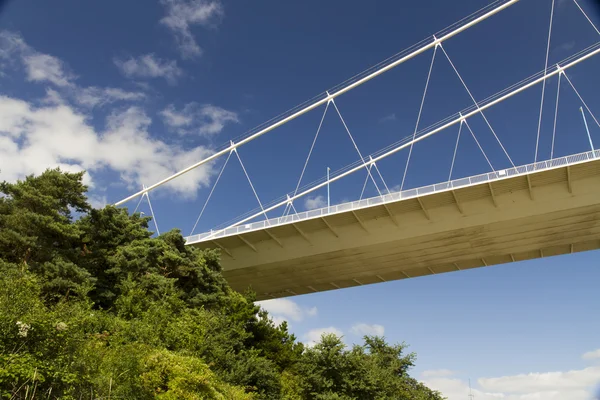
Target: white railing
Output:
[{"x": 397, "y": 196}]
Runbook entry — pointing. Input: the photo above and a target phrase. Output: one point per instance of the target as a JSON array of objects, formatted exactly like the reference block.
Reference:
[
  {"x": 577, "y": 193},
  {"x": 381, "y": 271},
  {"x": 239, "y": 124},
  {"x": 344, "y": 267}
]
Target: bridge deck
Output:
[{"x": 538, "y": 210}]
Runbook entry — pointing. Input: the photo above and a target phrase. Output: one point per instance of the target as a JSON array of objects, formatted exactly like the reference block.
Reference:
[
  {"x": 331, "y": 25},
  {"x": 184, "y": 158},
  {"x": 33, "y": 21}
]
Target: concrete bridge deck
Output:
[{"x": 538, "y": 210}]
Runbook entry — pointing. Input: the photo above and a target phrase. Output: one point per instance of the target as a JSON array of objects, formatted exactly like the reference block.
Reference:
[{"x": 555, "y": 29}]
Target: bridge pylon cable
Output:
[
  {"x": 312, "y": 105},
  {"x": 586, "y": 16},
  {"x": 477, "y": 105},
  {"x": 210, "y": 194},
  {"x": 355, "y": 146},
  {"x": 251, "y": 185},
  {"x": 479, "y": 145},
  {"x": 581, "y": 98},
  {"x": 555, "y": 116},
  {"x": 455, "y": 151},
  {"x": 419, "y": 115},
  {"x": 537, "y": 140}
]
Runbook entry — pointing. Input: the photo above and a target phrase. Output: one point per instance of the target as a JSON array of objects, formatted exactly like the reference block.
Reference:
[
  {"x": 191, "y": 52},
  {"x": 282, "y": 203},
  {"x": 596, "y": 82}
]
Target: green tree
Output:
[{"x": 91, "y": 304}]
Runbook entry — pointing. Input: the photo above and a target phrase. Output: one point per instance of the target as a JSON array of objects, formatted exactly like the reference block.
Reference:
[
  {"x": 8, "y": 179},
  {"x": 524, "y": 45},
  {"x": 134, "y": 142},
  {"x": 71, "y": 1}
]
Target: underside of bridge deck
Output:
[{"x": 541, "y": 214}]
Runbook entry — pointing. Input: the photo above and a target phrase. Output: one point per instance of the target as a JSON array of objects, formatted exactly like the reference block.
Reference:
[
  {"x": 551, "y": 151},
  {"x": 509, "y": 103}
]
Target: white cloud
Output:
[
  {"x": 388, "y": 118},
  {"x": 182, "y": 14},
  {"x": 312, "y": 203},
  {"x": 570, "y": 385},
  {"x": 38, "y": 67},
  {"x": 438, "y": 373},
  {"x": 149, "y": 66},
  {"x": 285, "y": 309},
  {"x": 94, "y": 96},
  {"x": 205, "y": 119},
  {"x": 370, "y": 330},
  {"x": 591, "y": 355},
  {"x": 35, "y": 138},
  {"x": 45, "y": 68},
  {"x": 313, "y": 336}
]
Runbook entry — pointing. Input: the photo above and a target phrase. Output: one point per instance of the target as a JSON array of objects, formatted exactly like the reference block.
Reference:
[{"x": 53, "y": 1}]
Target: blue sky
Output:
[{"x": 132, "y": 92}]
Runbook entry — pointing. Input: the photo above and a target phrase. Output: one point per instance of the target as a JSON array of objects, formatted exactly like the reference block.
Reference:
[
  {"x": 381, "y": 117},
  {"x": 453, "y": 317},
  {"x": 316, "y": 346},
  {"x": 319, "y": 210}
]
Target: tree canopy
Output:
[{"x": 93, "y": 306}]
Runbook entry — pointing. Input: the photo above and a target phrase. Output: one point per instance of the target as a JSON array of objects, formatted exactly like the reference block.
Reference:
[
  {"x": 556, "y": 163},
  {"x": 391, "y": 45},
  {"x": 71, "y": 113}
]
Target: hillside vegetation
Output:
[{"x": 93, "y": 307}]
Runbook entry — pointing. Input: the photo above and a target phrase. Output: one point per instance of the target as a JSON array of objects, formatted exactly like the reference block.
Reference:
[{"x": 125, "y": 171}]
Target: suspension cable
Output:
[
  {"x": 251, "y": 185},
  {"x": 419, "y": 116},
  {"x": 138, "y": 204},
  {"x": 355, "y": 146},
  {"x": 365, "y": 184},
  {"x": 586, "y": 16},
  {"x": 477, "y": 105},
  {"x": 537, "y": 141},
  {"x": 210, "y": 194},
  {"x": 478, "y": 145},
  {"x": 555, "y": 116},
  {"x": 455, "y": 150},
  {"x": 581, "y": 98},
  {"x": 152, "y": 212},
  {"x": 381, "y": 177}
]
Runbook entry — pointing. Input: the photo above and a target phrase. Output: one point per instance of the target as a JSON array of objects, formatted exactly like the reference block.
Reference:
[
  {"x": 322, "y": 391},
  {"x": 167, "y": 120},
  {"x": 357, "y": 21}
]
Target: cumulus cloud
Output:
[
  {"x": 181, "y": 15},
  {"x": 35, "y": 138},
  {"x": 286, "y": 310},
  {"x": 45, "y": 68},
  {"x": 568, "y": 385},
  {"x": 313, "y": 336},
  {"x": 149, "y": 66},
  {"x": 368, "y": 330},
  {"x": 193, "y": 118},
  {"x": 312, "y": 203},
  {"x": 591, "y": 355}
]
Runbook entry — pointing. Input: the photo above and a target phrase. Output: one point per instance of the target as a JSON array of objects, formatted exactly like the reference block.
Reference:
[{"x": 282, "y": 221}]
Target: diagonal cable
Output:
[
  {"x": 365, "y": 184},
  {"x": 152, "y": 212},
  {"x": 381, "y": 177},
  {"x": 581, "y": 98},
  {"x": 210, "y": 194},
  {"x": 309, "y": 154},
  {"x": 455, "y": 150},
  {"x": 477, "y": 106},
  {"x": 138, "y": 204},
  {"x": 355, "y": 146},
  {"x": 555, "y": 116},
  {"x": 419, "y": 116},
  {"x": 537, "y": 141},
  {"x": 478, "y": 145},
  {"x": 251, "y": 185},
  {"x": 586, "y": 16}
]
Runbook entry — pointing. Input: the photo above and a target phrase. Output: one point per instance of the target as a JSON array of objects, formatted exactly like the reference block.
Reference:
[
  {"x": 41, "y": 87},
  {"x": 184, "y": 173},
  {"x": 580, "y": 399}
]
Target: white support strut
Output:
[
  {"x": 329, "y": 97},
  {"x": 394, "y": 150}
]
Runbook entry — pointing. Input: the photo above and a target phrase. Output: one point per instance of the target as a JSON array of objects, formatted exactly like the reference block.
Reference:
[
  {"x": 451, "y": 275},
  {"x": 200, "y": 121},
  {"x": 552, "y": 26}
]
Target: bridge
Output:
[{"x": 545, "y": 208}]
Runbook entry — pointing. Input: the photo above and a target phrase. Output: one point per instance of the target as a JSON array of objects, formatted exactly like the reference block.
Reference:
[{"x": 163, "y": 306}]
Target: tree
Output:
[{"x": 91, "y": 304}]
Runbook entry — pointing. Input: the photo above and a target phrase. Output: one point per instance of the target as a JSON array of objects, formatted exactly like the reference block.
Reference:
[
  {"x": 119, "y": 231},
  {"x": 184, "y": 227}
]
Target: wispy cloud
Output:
[
  {"x": 149, "y": 66},
  {"x": 368, "y": 330},
  {"x": 565, "y": 46},
  {"x": 181, "y": 15},
  {"x": 312, "y": 203},
  {"x": 202, "y": 119},
  {"x": 48, "y": 69},
  {"x": 388, "y": 118}
]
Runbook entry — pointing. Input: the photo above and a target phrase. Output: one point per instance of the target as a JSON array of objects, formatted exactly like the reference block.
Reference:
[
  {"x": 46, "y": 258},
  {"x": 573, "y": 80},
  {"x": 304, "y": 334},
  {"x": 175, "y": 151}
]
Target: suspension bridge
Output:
[{"x": 545, "y": 208}]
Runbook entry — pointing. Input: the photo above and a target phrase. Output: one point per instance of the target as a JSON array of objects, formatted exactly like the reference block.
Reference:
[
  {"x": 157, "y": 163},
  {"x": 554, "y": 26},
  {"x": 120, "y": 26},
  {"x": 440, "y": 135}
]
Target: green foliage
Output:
[{"x": 93, "y": 306}]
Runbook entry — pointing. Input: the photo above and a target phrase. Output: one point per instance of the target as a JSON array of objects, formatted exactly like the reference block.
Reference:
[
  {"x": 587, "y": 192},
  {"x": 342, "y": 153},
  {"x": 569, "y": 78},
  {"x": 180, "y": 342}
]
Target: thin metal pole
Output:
[
  {"x": 432, "y": 132},
  {"x": 325, "y": 100},
  {"x": 586, "y": 128},
  {"x": 328, "y": 202}
]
